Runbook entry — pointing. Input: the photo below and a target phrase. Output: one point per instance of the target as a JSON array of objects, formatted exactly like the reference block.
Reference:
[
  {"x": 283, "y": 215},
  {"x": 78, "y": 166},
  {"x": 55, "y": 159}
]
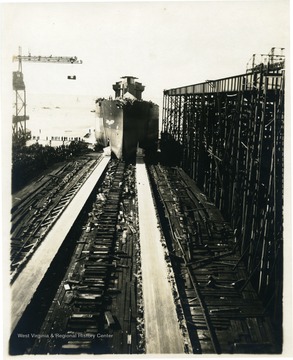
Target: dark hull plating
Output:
[{"x": 128, "y": 125}]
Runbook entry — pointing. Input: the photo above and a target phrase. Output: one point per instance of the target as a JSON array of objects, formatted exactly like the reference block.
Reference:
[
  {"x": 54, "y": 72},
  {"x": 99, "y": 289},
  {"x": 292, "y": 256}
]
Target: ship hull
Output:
[{"x": 128, "y": 125}]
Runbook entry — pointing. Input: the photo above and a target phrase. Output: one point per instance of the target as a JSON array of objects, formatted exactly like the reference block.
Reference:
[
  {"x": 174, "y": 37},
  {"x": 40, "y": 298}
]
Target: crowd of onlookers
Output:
[{"x": 30, "y": 161}]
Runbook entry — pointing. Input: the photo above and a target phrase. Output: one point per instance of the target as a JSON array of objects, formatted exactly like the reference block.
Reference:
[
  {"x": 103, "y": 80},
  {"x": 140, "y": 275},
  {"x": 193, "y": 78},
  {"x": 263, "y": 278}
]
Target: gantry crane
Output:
[{"x": 20, "y": 117}]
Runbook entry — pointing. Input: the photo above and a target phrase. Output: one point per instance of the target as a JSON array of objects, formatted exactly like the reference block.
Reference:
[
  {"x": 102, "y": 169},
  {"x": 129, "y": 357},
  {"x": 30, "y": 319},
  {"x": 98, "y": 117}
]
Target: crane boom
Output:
[
  {"x": 48, "y": 59},
  {"x": 20, "y": 117}
]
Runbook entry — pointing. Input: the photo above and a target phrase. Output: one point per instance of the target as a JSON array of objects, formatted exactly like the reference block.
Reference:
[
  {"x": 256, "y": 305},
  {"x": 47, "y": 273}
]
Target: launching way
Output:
[{"x": 153, "y": 243}]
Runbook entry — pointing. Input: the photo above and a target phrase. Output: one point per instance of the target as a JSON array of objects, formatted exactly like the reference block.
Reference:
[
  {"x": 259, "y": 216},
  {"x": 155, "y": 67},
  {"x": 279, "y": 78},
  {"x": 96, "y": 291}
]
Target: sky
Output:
[{"x": 164, "y": 44}]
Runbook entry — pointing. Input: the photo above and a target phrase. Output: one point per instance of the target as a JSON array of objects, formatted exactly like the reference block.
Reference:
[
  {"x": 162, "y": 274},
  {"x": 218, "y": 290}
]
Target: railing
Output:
[{"x": 243, "y": 82}]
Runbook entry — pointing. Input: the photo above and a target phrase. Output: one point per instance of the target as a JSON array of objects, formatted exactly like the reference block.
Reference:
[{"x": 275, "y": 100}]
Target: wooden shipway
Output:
[
  {"x": 25, "y": 285},
  {"x": 39, "y": 205},
  {"x": 97, "y": 306},
  {"x": 161, "y": 324},
  {"x": 80, "y": 305},
  {"x": 221, "y": 308}
]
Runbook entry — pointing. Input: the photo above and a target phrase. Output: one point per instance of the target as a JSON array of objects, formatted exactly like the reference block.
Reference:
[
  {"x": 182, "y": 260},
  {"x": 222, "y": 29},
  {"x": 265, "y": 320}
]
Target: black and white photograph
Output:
[{"x": 145, "y": 179}]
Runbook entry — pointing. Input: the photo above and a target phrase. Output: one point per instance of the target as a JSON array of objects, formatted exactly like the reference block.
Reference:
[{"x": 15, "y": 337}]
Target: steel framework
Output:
[
  {"x": 20, "y": 117},
  {"x": 231, "y": 131}
]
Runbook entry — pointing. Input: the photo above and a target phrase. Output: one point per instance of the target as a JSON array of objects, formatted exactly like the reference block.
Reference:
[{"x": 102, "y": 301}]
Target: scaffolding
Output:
[{"x": 231, "y": 132}]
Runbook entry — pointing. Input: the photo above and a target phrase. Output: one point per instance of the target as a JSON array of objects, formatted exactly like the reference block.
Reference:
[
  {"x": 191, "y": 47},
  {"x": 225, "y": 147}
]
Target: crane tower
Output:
[{"x": 20, "y": 117}]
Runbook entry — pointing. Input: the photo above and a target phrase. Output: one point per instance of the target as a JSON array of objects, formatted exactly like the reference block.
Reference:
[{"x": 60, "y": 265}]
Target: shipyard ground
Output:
[{"x": 107, "y": 290}]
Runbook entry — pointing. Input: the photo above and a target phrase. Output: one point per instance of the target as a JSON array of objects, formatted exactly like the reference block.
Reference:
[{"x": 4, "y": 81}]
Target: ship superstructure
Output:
[{"x": 127, "y": 122}]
